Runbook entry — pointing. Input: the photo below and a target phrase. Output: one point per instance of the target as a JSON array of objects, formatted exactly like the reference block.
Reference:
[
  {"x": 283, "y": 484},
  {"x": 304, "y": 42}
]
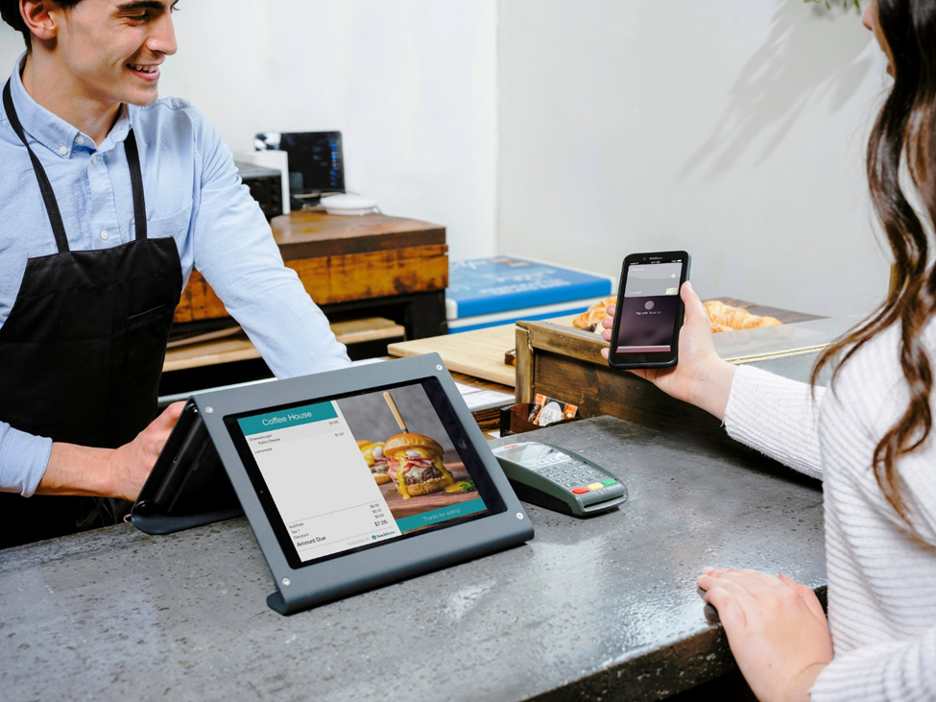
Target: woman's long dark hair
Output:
[{"x": 905, "y": 131}]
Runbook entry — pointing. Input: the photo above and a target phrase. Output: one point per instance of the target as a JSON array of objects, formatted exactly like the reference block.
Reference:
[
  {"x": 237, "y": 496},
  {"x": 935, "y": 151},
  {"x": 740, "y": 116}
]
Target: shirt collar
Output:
[{"x": 50, "y": 130}]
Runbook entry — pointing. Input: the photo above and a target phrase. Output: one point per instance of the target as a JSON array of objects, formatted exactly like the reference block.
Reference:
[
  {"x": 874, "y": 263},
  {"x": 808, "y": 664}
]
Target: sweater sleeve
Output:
[
  {"x": 899, "y": 671},
  {"x": 777, "y": 416}
]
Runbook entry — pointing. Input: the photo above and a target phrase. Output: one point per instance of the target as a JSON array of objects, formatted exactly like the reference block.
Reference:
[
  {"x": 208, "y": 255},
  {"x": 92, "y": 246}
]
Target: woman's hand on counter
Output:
[
  {"x": 776, "y": 628},
  {"x": 701, "y": 377},
  {"x": 120, "y": 472}
]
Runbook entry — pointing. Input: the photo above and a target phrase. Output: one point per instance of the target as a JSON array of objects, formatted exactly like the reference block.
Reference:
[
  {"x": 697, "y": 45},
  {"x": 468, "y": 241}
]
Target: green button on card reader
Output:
[{"x": 559, "y": 479}]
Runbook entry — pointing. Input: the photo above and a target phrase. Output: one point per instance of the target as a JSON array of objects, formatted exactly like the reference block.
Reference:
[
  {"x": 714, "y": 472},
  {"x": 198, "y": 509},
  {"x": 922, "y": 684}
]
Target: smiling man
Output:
[{"x": 109, "y": 196}]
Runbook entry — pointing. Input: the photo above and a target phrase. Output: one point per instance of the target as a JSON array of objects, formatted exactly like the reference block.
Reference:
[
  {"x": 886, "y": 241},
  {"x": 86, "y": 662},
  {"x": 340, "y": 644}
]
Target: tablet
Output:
[{"x": 331, "y": 514}]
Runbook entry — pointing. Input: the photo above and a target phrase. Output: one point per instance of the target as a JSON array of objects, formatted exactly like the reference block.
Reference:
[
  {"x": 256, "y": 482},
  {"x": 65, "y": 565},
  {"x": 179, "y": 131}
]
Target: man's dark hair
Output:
[{"x": 9, "y": 10}]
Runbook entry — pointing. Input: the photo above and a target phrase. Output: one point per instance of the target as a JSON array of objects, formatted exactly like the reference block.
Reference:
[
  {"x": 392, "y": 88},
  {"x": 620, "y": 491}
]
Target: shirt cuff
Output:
[{"x": 23, "y": 460}]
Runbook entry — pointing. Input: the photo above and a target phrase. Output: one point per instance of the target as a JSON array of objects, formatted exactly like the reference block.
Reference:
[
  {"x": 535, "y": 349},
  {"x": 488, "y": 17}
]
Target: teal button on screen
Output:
[{"x": 463, "y": 509}]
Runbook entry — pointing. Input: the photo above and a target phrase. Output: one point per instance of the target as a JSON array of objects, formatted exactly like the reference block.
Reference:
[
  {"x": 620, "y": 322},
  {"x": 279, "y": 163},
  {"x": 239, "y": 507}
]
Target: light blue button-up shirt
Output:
[{"x": 193, "y": 194}]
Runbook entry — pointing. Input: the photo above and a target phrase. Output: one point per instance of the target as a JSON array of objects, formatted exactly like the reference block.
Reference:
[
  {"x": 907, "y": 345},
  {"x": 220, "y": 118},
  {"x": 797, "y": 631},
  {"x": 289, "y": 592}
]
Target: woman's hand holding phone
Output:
[{"x": 702, "y": 378}]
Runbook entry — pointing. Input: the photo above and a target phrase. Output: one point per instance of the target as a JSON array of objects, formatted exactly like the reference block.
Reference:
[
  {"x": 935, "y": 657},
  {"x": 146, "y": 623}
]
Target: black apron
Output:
[{"x": 82, "y": 351}]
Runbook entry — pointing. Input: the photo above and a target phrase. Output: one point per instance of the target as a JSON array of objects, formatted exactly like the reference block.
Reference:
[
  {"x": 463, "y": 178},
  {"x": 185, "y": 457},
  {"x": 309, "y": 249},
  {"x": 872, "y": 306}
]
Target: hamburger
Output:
[
  {"x": 416, "y": 465},
  {"x": 373, "y": 452}
]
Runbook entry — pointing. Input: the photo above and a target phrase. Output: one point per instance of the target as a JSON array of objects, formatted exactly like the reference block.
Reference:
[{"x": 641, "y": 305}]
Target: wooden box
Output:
[
  {"x": 344, "y": 260},
  {"x": 566, "y": 364}
]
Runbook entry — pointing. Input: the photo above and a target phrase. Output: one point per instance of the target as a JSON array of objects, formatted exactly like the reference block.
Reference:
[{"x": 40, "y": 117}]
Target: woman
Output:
[{"x": 869, "y": 437}]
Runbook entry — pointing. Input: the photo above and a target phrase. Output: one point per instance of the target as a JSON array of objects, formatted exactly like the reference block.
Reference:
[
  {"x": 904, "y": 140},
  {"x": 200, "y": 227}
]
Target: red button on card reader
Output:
[{"x": 580, "y": 491}]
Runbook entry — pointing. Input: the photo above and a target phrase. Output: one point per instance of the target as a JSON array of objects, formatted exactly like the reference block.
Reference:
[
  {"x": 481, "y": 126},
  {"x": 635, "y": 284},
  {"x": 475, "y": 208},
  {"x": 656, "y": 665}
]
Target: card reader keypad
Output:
[
  {"x": 575, "y": 475},
  {"x": 558, "y": 480}
]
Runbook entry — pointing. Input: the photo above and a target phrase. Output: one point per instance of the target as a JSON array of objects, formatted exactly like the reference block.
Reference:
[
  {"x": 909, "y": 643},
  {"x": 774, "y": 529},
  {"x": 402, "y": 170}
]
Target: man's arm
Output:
[
  {"x": 82, "y": 470},
  {"x": 235, "y": 251}
]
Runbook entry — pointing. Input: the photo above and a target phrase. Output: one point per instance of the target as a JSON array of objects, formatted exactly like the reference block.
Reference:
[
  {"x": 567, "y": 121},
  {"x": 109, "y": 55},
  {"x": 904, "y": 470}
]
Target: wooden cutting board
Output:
[{"x": 478, "y": 353}]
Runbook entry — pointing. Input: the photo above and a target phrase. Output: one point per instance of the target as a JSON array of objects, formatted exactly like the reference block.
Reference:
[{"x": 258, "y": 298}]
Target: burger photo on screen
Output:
[
  {"x": 373, "y": 452},
  {"x": 416, "y": 465}
]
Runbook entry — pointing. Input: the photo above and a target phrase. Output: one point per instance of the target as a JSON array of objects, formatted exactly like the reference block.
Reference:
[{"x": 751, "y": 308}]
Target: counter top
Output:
[{"x": 605, "y": 608}]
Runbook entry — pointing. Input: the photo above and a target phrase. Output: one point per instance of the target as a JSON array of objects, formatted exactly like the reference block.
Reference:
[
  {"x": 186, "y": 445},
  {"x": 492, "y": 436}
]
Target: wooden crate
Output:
[
  {"x": 344, "y": 259},
  {"x": 566, "y": 364}
]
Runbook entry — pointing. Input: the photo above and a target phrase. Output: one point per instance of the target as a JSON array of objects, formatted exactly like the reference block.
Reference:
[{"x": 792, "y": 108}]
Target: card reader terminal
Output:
[{"x": 559, "y": 479}]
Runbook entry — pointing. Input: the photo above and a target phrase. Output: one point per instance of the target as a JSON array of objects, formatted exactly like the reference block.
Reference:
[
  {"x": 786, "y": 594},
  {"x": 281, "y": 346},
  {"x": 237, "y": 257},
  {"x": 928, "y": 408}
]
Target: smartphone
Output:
[{"x": 649, "y": 311}]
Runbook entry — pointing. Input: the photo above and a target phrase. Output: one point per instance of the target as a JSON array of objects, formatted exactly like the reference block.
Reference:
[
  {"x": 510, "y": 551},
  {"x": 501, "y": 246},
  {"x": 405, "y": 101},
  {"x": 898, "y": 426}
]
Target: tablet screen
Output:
[{"x": 341, "y": 475}]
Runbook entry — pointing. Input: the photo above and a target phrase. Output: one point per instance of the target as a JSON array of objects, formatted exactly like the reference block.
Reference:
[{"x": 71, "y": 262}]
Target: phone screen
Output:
[{"x": 649, "y": 310}]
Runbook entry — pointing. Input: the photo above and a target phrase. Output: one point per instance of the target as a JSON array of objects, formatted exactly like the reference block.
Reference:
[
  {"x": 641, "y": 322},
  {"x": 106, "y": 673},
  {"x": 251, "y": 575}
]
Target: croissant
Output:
[
  {"x": 753, "y": 321},
  {"x": 715, "y": 308},
  {"x": 727, "y": 317},
  {"x": 593, "y": 315},
  {"x": 722, "y": 317}
]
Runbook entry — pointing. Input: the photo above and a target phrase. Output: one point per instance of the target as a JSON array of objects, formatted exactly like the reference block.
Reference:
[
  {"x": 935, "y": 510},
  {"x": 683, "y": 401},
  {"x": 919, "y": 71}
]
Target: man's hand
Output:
[
  {"x": 776, "y": 629},
  {"x": 701, "y": 377},
  {"x": 132, "y": 463},
  {"x": 120, "y": 472}
]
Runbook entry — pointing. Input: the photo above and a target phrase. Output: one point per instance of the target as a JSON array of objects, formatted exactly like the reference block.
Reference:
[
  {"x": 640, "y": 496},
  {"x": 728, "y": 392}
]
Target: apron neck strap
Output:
[
  {"x": 55, "y": 217},
  {"x": 48, "y": 196},
  {"x": 136, "y": 182}
]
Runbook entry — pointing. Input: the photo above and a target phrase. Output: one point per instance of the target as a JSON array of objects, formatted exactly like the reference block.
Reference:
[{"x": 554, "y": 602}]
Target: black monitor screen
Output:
[{"x": 316, "y": 161}]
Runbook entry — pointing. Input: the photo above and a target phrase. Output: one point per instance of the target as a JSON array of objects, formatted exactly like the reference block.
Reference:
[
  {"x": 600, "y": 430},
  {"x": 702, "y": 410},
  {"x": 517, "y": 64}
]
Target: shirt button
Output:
[
  {"x": 79, "y": 140},
  {"x": 105, "y": 234},
  {"x": 63, "y": 150},
  {"x": 93, "y": 160}
]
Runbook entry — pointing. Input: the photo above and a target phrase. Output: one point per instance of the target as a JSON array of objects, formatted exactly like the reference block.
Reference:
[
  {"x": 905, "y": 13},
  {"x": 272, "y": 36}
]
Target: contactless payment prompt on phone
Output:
[{"x": 648, "y": 309}]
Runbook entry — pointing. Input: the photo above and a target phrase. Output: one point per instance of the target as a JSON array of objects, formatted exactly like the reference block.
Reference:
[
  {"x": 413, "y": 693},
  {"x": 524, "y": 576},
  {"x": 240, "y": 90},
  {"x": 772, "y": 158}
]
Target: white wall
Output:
[
  {"x": 734, "y": 130},
  {"x": 575, "y": 130},
  {"x": 410, "y": 83}
]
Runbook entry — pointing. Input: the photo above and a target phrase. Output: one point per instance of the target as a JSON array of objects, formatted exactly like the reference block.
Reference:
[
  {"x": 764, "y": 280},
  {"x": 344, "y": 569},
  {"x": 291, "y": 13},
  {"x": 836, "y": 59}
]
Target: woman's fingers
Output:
[
  {"x": 759, "y": 585},
  {"x": 730, "y": 610},
  {"x": 809, "y": 597},
  {"x": 776, "y": 638},
  {"x": 697, "y": 318},
  {"x": 607, "y": 323},
  {"x": 755, "y": 583}
]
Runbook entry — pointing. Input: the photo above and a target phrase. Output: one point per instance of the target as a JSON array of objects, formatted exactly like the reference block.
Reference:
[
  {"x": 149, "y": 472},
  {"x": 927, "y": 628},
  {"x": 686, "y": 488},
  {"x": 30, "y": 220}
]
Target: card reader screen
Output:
[
  {"x": 341, "y": 475},
  {"x": 527, "y": 453}
]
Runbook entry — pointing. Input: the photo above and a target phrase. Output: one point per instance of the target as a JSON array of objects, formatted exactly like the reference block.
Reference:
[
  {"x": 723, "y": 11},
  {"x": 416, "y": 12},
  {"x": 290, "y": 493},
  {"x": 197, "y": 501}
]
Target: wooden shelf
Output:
[{"x": 235, "y": 346}]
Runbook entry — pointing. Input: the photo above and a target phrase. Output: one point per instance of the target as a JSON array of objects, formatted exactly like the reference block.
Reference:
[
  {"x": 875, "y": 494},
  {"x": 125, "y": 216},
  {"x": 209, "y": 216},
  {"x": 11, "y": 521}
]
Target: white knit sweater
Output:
[{"x": 882, "y": 584}]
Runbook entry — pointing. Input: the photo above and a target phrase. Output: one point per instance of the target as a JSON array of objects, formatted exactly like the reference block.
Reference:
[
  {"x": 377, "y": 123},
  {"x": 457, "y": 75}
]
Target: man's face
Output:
[{"x": 112, "y": 49}]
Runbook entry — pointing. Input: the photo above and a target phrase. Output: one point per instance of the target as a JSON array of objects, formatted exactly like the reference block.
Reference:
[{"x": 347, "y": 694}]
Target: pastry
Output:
[
  {"x": 590, "y": 319},
  {"x": 728, "y": 318}
]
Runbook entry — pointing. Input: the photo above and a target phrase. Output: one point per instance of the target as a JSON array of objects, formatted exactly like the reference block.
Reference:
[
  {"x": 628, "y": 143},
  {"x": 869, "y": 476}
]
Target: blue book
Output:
[{"x": 488, "y": 285}]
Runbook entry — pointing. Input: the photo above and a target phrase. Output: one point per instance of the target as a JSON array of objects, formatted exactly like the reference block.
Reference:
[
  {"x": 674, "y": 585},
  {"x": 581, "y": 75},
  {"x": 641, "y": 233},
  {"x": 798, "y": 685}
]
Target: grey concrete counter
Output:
[{"x": 605, "y": 608}]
